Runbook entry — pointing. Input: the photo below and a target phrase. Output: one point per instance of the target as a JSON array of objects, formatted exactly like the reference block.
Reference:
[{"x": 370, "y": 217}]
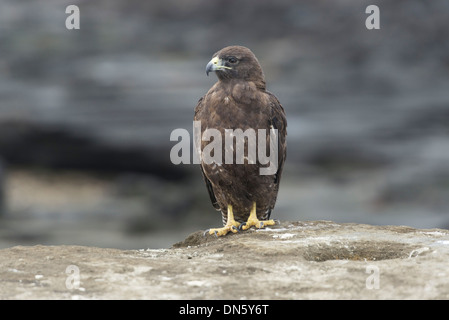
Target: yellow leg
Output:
[
  {"x": 231, "y": 225},
  {"x": 253, "y": 221}
]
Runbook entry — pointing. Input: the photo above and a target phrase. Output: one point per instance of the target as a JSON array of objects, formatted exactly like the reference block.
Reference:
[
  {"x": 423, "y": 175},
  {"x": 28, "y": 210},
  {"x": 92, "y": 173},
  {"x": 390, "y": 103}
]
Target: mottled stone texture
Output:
[{"x": 294, "y": 260}]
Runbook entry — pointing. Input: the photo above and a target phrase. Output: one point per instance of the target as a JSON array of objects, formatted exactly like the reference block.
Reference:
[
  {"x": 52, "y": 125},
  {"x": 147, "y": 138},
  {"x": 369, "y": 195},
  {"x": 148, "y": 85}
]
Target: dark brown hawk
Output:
[{"x": 239, "y": 101}]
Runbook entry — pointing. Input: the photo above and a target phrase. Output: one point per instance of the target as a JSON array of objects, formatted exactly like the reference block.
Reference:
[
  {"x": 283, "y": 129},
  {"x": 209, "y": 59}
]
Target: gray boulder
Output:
[{"x": 294, "y": 260}]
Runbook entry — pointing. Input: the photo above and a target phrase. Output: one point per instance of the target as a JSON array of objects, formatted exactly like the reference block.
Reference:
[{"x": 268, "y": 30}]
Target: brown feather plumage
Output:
[{"x": 239, "y": 100}]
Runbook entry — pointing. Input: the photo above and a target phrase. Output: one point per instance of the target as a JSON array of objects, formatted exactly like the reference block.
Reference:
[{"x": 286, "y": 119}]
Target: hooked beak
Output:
[{"x": 215, "y": 64}]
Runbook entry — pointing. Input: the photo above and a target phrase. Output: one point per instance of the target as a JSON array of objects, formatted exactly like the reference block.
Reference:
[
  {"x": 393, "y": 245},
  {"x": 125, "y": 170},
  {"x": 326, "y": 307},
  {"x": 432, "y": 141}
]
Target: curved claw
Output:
[
  {"x": 235, "y": 228},
  {"x": 241, "y": 226},
  {"x": 208, "y": 232}
]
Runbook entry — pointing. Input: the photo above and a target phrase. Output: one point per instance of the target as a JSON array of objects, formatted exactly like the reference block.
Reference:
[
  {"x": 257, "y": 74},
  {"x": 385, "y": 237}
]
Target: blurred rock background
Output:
[{"x": 86, "y": 115}]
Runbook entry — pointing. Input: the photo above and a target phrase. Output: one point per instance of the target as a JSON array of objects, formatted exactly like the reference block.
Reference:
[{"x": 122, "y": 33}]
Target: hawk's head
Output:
[{"x": 236, "y": 62}]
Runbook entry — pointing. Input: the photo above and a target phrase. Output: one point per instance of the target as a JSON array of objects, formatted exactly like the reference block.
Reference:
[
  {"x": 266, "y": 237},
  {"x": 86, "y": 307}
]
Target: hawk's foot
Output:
[
  {"x": 231, "y": 225},
  {"x": 254, "y": 221},
  {"x": 222, "y": 231},
  {"x": 259, "y": 224}
]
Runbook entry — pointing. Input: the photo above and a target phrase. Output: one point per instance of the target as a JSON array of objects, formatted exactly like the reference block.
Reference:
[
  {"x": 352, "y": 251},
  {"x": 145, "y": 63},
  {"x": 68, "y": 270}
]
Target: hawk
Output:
[{"x": 239, "y": 101}]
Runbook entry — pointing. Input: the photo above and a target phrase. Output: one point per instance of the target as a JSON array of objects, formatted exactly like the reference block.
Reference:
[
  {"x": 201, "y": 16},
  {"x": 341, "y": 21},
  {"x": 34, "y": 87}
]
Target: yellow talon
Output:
[
  {"x": 254, "y": 221},
  {"x": 231, "y": 225}
]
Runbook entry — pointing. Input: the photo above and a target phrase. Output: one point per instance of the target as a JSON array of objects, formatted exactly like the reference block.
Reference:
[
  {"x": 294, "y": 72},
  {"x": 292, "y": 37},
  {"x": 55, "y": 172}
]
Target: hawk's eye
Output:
[{"x": 232, "y": 59}]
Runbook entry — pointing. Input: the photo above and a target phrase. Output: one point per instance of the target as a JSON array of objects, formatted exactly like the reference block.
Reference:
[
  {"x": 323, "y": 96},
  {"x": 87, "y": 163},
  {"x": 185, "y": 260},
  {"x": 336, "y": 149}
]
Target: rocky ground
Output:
[{"x": 293, "y": 260}]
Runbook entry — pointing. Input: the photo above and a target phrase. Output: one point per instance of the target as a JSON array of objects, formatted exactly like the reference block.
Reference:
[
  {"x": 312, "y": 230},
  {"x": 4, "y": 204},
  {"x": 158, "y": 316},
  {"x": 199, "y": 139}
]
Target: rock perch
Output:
[{"x": 294, "y": 260}]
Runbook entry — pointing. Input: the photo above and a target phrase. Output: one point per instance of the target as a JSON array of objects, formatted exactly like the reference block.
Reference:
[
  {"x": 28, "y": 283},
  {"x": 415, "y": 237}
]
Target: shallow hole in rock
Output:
[{"x": 358, "y": 251}]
